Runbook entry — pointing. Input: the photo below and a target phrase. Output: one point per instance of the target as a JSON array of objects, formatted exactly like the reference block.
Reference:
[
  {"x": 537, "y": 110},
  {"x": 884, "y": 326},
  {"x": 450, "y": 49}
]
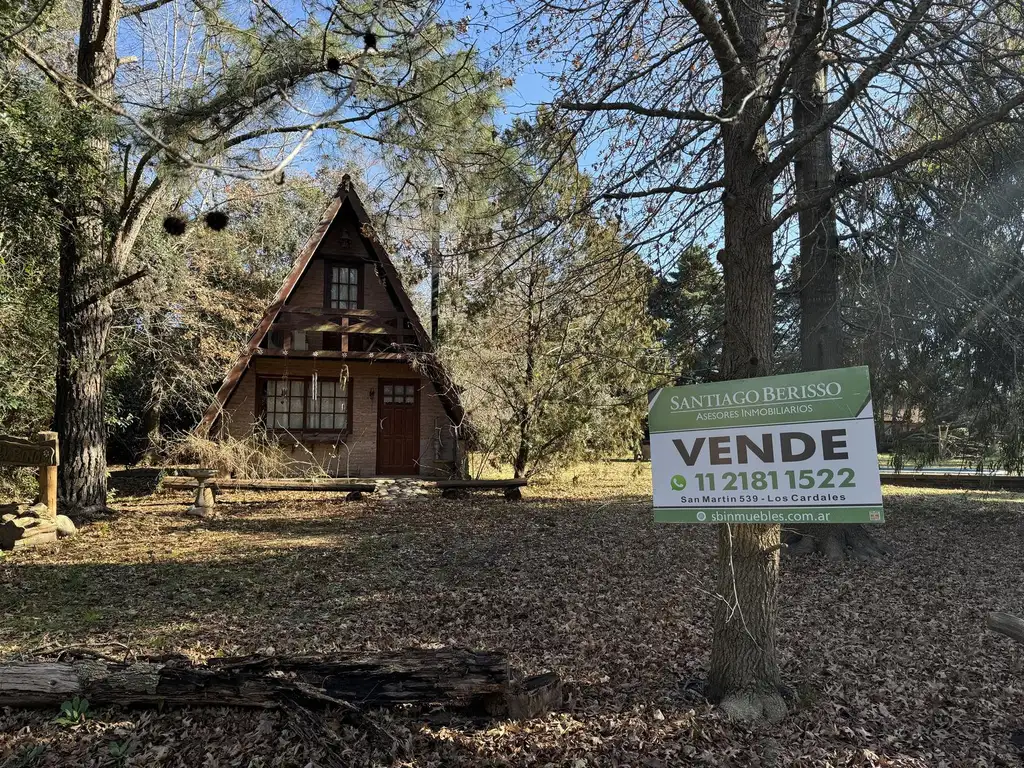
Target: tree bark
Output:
[
  {"x": 85, "y": 262},
  {"x": 475, "y": 681},
  {"x": 821, "y": 329},
  {"x": 821, "y": 334},
  {"x": 151, "y": 419},
  {"x": 523, "y": 451},
  {"x": 81, "y": 381},
  {"x": 744, "y": 678},
  {"x": 1006, "y": 624},
  {"x": 522, "y": 458}
]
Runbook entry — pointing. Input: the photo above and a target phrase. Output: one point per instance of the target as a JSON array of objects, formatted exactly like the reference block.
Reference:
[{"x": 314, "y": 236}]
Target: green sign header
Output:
[{"x": 789, "y": 399}]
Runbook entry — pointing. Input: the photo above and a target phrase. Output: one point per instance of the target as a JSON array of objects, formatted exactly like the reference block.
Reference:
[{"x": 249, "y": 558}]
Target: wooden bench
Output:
[
  {"x": 182, "y": 482},
  {"x": 448, "y": 488},
  {"x": 454, "y": 488}
]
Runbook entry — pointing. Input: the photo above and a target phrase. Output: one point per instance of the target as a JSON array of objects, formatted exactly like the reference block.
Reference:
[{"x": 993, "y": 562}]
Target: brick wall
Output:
[{"x": 356, "y": 454}]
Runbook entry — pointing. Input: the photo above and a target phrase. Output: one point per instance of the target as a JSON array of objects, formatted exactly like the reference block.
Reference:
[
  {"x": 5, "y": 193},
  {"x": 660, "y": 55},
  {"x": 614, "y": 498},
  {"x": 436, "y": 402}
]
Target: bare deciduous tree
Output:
[{"x": 685, "y": 110}]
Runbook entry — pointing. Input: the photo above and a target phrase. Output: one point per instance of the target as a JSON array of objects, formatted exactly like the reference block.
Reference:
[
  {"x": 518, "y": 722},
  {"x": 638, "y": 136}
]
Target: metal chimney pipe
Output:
[{"x": 435, "y": 263}]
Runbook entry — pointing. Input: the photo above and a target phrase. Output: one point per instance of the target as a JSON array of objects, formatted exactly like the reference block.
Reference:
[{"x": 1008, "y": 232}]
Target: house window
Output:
[
  {"x": 296, "y": 405},
  {"x": 343, "y": 287},
  {"x": 399, "y": 394},
  {"x": 284, "y": 403},
  {"x": 329, "y": 410}
]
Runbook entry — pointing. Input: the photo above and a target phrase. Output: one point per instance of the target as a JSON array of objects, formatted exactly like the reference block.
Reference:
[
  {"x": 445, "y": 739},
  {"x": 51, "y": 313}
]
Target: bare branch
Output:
[
  {"x": 139, "y": 8},
  {"x": 124, "y": 282},
  {"x": 878, "y": 64},
  {"x": 28, "y": 24},
  {"x": 725, "y": 53},
  {"x": 926, "y": 149},
  {"x": 694, "y": 115},
  {"x": 666, "y": 190},
  {"x": 638, "y": 109}
]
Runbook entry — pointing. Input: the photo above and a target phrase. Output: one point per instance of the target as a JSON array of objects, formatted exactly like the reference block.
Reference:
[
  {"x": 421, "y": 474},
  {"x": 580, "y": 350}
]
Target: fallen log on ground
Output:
[
  {"x": 475, "y": 682},
  {"x": 1006, "y": 624}
]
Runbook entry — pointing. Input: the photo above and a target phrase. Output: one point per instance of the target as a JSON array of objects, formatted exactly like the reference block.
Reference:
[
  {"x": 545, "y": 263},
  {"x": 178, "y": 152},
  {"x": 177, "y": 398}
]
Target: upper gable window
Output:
[{"x": 342, "y": 286}]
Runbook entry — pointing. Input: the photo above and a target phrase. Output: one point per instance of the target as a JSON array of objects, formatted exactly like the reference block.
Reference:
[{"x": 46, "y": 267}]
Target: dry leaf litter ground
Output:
[{"x": 890, "y": 660}]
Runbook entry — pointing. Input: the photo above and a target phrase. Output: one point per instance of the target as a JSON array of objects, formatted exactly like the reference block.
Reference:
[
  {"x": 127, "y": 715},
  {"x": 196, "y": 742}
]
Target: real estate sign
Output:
[{"x": 789, "y": 449}]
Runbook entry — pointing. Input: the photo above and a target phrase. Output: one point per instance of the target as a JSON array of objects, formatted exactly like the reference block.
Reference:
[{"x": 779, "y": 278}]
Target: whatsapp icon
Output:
[{"x": 678, "y": 482}]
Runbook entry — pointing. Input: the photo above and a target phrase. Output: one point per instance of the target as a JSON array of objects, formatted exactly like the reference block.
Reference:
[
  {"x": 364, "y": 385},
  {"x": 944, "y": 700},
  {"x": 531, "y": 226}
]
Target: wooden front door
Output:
[{"x": 398, "y": 427}]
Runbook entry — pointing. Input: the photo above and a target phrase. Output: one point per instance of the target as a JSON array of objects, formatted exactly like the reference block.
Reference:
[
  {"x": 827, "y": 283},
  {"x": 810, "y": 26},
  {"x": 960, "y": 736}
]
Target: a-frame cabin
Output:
[{"x": 340, "y": 369}]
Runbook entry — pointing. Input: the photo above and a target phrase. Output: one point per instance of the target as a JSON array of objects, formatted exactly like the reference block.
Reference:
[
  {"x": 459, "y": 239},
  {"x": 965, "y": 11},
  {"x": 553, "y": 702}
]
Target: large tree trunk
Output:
[
  {"x": 522, "y": 458},
  {"x": 84, "y": 320},
  {"x": 821, "y": 330},
  {"x": 744, "y": 677},
  {"x": 81, "y": 379}
]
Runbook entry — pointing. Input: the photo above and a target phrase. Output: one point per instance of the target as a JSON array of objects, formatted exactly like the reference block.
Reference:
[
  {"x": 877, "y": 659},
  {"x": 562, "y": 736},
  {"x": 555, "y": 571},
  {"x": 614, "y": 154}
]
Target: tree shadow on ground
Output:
[
  {"x": 134, "y": 481},
  {"x": 593, "y": 589}
]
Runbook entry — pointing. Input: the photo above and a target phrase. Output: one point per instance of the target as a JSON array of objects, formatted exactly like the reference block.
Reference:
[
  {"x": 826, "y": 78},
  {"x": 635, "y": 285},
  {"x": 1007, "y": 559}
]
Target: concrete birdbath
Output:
[{"x": 203, "y": 506}]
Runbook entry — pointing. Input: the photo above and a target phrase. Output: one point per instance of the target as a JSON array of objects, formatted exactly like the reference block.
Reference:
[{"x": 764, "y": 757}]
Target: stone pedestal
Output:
[{"x": 203, "y": 506}]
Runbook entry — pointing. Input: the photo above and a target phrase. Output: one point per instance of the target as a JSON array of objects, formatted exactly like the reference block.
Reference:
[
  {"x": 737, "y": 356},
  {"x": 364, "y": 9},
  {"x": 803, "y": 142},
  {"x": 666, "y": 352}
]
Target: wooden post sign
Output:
[{"x": 42, "y": 453}]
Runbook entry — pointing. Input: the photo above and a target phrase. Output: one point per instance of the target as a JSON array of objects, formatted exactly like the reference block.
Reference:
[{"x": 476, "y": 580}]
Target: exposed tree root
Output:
[
  {"x": 836, "y": 542},
  {"x": 86, "y": 515},
  {"x": 1006, "y": 624},
  {"x": 765, "y": 706},
  {"x": 754, "y": 706}
]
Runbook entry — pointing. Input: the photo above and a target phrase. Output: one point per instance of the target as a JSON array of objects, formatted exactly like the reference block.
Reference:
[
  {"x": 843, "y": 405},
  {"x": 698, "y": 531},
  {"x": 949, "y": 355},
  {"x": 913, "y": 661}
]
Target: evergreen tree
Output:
[
  {"x": 689, "y": 300},
  {"x": 548, "y": 329},
  {"x": 239, "y": 92}
]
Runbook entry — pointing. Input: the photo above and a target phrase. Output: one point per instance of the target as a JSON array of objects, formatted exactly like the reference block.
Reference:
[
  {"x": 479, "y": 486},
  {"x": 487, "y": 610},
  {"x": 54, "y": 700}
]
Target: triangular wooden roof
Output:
[{"x": 427, "y": 363}]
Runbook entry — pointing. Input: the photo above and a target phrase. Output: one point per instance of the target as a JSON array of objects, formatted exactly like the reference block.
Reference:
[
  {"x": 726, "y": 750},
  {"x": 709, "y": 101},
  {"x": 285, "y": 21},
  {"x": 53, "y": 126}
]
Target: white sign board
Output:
[{"x": 789, "y": 449}]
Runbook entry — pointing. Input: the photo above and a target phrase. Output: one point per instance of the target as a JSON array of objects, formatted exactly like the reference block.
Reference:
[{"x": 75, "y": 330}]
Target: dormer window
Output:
[{"x": 342, "y": 286}]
